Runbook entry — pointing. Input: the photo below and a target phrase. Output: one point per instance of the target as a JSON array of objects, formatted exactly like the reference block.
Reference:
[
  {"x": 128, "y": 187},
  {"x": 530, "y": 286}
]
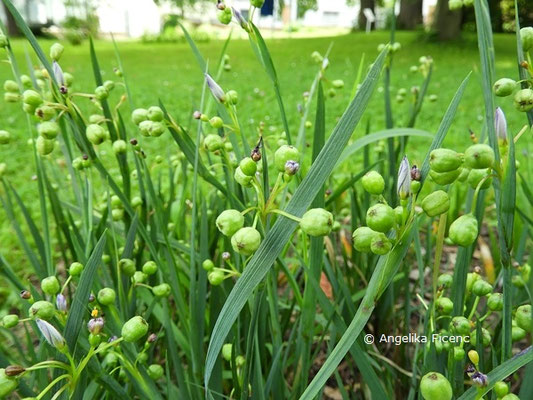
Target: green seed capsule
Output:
[
  {"x": 463, "y": 176},
  {"x": 526, "y": 37},
  {"x": 32, "y": 98},
  {"x": 241, "y": 178},
  {"x": 501, "y": 389},
  {"x": 380, "y": 218},
  {"x": 56, "y": 51},
  {"x": 229, "y": 222},
  {"x": 139, "y": 115},
  {"x": 75, "y": 269},
  {"x": 216, "y": 277},
  {"x": 338, "y": 83},
  {"x": 50, "y": 286},
  {"x": 106, "y": 296},
  {"x": 523, "y": 100},
  {"x": 481, "y": 288},
  {"x": 109, "y": 85},
  {"x": 471, "y": 278},
  {"x": 445, "y": 160},
  {"x": 127, "y": 266},
  {"x": 119, "y": 146},
  {"x": 10, "y": 321},
  {"x": 26, "y": 81},
  {"x": 208, "y": 265},
  {"x": 101, "y": 93},
  {"x": 458, "y": 354},
  {"x": 444, "y": 178},
  {"x": 444, "y": 305},
  {"x": 225, "y": 16},
  {"x": 68, "y": 78},
  {"x": 460, "y": 325},
  {"x": 436, "y": 203},
  {"x": 479, "y": 156},
  {"x": 435, "y": 386},
  {"x": 48, "y": 129},
  {"x": 136, "y": 202},
  {"x": 134, "y": 329},
  {"x": 246, "y": 241},
  {"x": 523, "y": 318},
  {"x": 380, "y": 244},
  {"x": 495, "y": 302},
  {"x": 11, "y": 86},
  {"x": 155, "y": 114},
  {"x": 517, "y": 334},
  {"x": 283, "y": 154},
  {"x": 486, "y": 339},
  {"x": 213, "y": 142},
  {"x": 95, "y": 133},
  {"x": 373, "y": 182},
  {"x": 145, "y": 127},
  {"x": 476, "y": 176},
  {"x": 504, "y": 87},
  {"x": 445, "y": 280},
  {"x": 5, "y": 137},
  {"x": 94, "y": 339},
  {"x": 162, "y": 290},
  {"x": 216, "y": 122},
  {"x": 464, "y": 230},
  {"x": 11, "y": 97},
  {"x": 155, "y": 371},
  {"x": 227, "y": 349},
  {"x": 44, "y": 146},
  {"x": 42, "y": 310},
  {"x": 7, "y": 384},
  {"x": 317, "y": 222},
  {"x": 149, "y": 267},
  {"x": 248, "y": 166},
  {"x": 232, "y": 97},
  {"x": 46, "y": 113},
  {"x": 362, "y": 238},
  {"x": 510, "y": 396}
]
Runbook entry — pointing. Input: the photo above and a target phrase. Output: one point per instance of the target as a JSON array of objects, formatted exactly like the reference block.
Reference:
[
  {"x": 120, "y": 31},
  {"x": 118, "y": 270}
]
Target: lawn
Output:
[{"x": 169, "y": 72}]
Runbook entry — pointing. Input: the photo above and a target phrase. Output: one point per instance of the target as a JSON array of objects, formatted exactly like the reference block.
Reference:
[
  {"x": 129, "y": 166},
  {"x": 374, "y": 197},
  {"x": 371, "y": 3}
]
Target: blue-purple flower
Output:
[
  {"x": 404, "y": 179},
  {"x": 500, "y": 125},
  {"x": 215, "y": 89},
  {"x": 51, "y": 334}
]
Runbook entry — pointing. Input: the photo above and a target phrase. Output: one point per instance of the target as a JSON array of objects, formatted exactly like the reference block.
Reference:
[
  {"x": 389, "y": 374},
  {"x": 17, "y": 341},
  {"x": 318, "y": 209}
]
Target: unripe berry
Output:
[
  {"x": 134, "y": 329},
  {"x": 155, "y": 114},
  {"x": 50, "y": 286},
  {"x": 42, "y": 309},
  {"x": 436, "y": 203},
  {"x": 5, "y": 137},
  {"x": 208, "y": 265},
  {"x": 157, "y": 128},
  {"x": 229, "y": 222},
  {"x": 11, "y": 86},
  {"x": 435, "y": 386},
  {"x": 476, "y": 175},
  {"x": 241, "y": 178},
  {"x": 155, "y": 371},
  {"x": 526, "y": 37},
  {"x": 517, "y": 333},
  {"x": 106, "y": 296},
  {"x": 248, "y": 166},
  {"x": 362, "y": 237},
  {"x": 46, "y": 113},
  {"x": 213, "y": 142},
  {"x": 56, "y": 51},
  {"x": 463, "y": 231},
  {"x": 504, "y": 87},
  {"x": 460, "y": 325},
  {"x": 444, "y": 160},
  {"x": 48, "y": 129},
  {"x": 523, "y": 100},
  {"x": 317, "y": 222},
  {"x": 119, "y": 146},
  {"x": 101, "y": 93},
  {"x": 149, "y": 267},
  {"x": 32, "y": 98},
  {"x": 11, "y": 97},
  {"x": 10, "y": 321},
  {"x": 246, "y": 241},
  {"x": 380, "y": 218},
  {"x": 444, "y": 305},
  {"x": 373, "y": 182},
  {"x": 479, "y": 156},
  {"x": 495, "y": 302},
  {"x": 224, "y": 16},
  {"x": 523, "y": 317},
  {"x": 139, "y": 115},
  {"x": 284, "y": 154},
  {"x": 127, "y": 266},
  {"x": 445, "y": 280},
  {"x": 481, "y": 288},
  {"x": 444, "y": 178},
  {"x": 162, "y": 290},
  {"x": 380, "y": 244},
  {"x": 216, "y": 122},
  {"x": 95, "y": 133},
  {"x": 75, "y": 269},
  {"x": 215, "y": 277}
]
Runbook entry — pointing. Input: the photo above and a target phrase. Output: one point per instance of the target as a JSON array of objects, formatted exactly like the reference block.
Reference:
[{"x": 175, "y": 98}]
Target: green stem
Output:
[
  {"x": 436, "y": 263},
  {"x": 287, "y": 215},
  {"x": 51, "y": 385}
]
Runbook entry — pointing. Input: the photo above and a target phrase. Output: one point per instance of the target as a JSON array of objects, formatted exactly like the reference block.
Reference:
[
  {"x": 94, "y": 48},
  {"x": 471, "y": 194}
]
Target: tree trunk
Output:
[
  {"x": 361, "y": 20},
  {"x": 447, "y": 23},
  {"x": 12, "y": 29},
  {"x": 410, "y": 16}
]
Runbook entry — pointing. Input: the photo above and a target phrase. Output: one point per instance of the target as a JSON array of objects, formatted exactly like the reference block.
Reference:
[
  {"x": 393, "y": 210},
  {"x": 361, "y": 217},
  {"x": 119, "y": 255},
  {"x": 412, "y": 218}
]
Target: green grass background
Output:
[{"x": 168, "y": 71}]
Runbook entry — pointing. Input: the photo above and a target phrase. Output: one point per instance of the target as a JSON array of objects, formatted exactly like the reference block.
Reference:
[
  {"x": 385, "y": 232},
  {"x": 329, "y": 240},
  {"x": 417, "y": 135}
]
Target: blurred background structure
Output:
[{"x": 157, "y": 19}]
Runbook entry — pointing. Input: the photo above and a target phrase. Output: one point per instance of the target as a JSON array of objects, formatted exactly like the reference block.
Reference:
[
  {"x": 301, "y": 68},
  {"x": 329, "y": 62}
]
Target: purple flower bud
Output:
[
  {"x": 226, "y": 255},
  {"x": 240, "y": 19},
  {"x": 58, "y": 74},
  {"x": 404, "y": 179},
  {"x": 91, "y": 298},
  {"x": 51, "y": 334},
  {"x": 479, "y": 379},
  {"x": 500, "y": 125},
  {"x": 292, "y": 167},
  {"x": 152, "y": 338},
  {"x": 416, "y": 175},
  {"x": 112, "y": 339},
  {"x": 470, "y": 369},
  {"x": 61, "y": 302},
  {"x": 215, "y": 89},
  {"x": 95, "y": 325},
  {"x": 197, "y": 115}
]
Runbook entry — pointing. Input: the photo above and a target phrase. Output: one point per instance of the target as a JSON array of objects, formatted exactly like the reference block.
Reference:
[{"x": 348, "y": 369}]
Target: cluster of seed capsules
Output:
[{"x": 523, "y": 90}]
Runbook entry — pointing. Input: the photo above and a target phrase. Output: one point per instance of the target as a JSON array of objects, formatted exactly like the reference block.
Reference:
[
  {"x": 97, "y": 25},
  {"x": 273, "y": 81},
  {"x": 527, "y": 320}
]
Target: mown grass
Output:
[{"x": 169, "y": 72}]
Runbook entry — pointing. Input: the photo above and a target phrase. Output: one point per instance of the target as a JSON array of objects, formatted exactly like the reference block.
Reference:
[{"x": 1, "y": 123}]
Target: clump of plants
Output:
[{"x": 205, "y": 257}]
